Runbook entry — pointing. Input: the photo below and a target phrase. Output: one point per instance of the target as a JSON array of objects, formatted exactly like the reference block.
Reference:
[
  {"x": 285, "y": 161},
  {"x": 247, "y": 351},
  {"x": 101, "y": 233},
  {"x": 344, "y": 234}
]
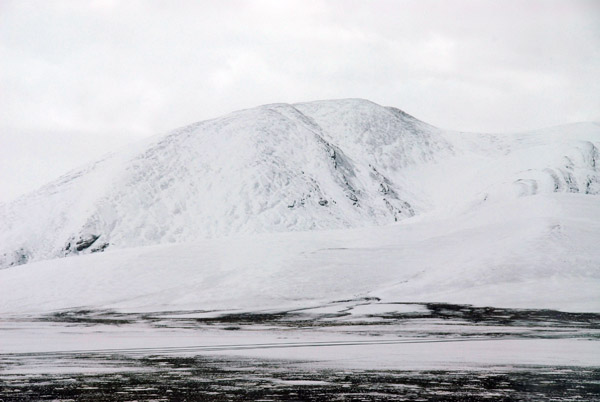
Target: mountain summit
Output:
[{"x": 281, "y": 167}]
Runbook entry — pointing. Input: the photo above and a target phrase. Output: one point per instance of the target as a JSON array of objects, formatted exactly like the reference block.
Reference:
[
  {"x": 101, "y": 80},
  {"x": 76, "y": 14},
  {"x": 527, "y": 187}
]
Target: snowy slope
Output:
[
  {"x": 278, "y": 168},
  {"x": 272, "y": 168},
  {"x": 539, "y": 251}
]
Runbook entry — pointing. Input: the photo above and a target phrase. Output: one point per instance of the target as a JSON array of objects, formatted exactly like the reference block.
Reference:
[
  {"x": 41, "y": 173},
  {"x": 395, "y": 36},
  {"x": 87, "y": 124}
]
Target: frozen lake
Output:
[{"x": 359, "y": 349}]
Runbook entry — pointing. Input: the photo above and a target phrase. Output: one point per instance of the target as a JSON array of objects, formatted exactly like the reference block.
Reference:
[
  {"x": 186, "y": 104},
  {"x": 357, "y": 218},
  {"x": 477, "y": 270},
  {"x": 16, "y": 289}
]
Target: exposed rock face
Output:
[
  {"x": 16, "y": 257},
  {"x": 86, "y": 242}
]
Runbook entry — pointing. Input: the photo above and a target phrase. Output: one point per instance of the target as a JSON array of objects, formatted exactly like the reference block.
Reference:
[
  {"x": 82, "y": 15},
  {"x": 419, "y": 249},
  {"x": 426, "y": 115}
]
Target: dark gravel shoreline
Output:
[{"x": 162, "y": 378}]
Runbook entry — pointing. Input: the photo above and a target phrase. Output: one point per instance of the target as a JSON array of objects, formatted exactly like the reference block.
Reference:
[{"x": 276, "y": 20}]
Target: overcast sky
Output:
[{"x": 81, "y": 78}]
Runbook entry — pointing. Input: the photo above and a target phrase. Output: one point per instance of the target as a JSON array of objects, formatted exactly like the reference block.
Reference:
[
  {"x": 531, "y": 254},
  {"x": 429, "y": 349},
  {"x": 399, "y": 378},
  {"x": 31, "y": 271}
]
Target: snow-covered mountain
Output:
[{"x": 277, "y": 168}]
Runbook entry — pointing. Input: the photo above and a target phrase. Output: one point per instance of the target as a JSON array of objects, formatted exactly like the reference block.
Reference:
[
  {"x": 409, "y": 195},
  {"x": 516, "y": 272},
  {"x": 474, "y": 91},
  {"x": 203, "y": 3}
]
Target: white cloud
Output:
[{"x": 110, "y": 71}]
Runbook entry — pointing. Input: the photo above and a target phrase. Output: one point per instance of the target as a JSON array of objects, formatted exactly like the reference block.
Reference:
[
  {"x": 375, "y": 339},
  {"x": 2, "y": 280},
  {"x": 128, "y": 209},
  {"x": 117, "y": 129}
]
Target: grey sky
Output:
[{"x": 81, "y": 78}]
